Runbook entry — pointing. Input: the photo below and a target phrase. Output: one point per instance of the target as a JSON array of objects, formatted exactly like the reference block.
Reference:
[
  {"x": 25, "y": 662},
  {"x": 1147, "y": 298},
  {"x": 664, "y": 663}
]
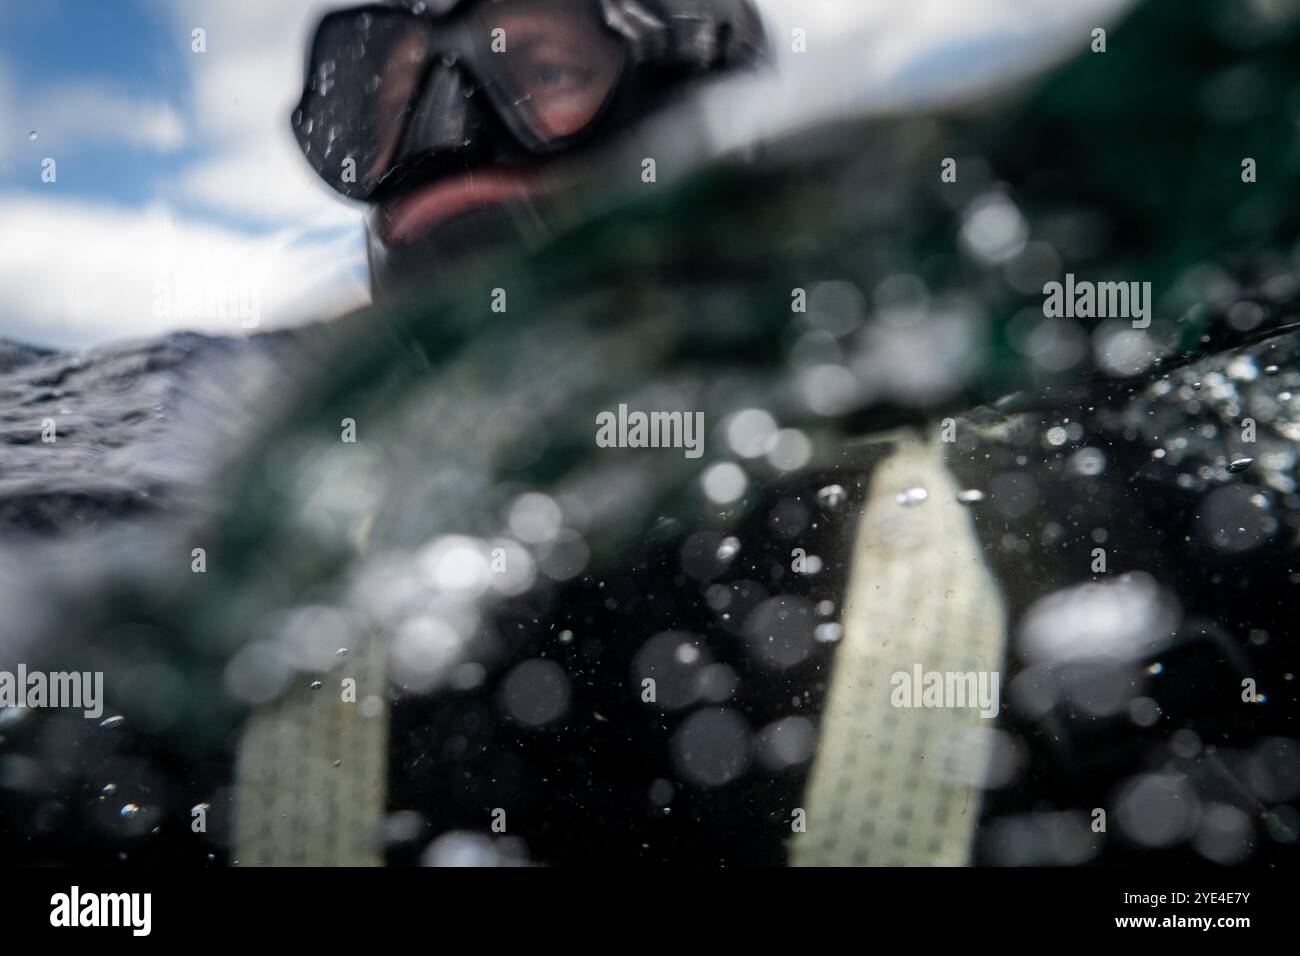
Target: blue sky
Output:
[
  {"x": 123, "y": 46},
  {"x": 178, "y": 189}
]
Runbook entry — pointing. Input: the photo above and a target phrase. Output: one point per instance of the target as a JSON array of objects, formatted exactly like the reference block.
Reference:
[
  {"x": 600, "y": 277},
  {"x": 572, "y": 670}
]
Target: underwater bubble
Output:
[
  {"x": 718, "y": 597},
  {"x": 661, "y": 793},
  {"x": 1040, "y": 839},
  {"x": 728, "y": 548},
  {"x": 994, "y": 230},
  {"x": 786, "y": 742},
  {"x": 1274, "y": 769},
  {"x": 978, "y": 757},
  {"x": 310, "y": 636},
  {"x": 459, "y": 563},
  {"x": 1123, "y": 351},
  {"x": 673, "y": 660},
  {"x": 1087, "y": 462},
  {"x": 687, "y": 653},
  {"x": 706, "y": 554},
  {"x": 536, "y": 692},
  {"x": 535, "y": 518},
  {"x": 115, "y": 721},
  {"x": 1225, "y": 835},
  {"x": 566, "y": 637},
  {"x": 130, "y": 811},
  {"x": 750, "y": 432},
  {"x": 724, "y": 482},
  {"x": 564, "y": 557},
  {"x": 832, "y": 496},
  {"x": 1233, "y": 520},
  {"x": 462, "y": 848},
  {"x": 1100, "y": 687},
  {"x": 469, "y": 675},
  {"x": 1240, "y": 464},
  {"x": 1144, "y": 711},
  {"x": 513, "y": 568},
  {"x": 829, "y": 389},
  {"x": 788, "y": 518},
  {"x": 712, "y": 747},
  {"x": 716, "y": 683},
  {"x": 108, "y": 789},
  {"x": 32, "y": 135},
  {"x": 1185, "y": 743},
  {"x": 912, "y": 497},
  {"x": 403, "y": 826},
  {"x": 1125, "y": 619},
  {"x": 1157, "y": 809},
  {"x": 1035, "y": 691},
  {"x": 789, "y": 450},
  {"x": 828, "y": 632},
  {"x": 422, "y": 651},
  {"x": 316, "y": 685},
  {"x": 779, "y": 630},
  {"x": 970, "y": 496}
]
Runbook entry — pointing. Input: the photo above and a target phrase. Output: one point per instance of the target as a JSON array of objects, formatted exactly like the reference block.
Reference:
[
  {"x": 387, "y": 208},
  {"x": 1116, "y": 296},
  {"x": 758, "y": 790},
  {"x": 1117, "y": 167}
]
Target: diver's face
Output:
[
  {"x": 562, "y": 65},
  {"x": 464, "y": 130}
]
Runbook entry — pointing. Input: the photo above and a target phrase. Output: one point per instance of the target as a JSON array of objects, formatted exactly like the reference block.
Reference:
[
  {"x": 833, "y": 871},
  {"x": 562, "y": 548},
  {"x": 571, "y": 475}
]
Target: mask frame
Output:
[{"x": 331, "y": 131}]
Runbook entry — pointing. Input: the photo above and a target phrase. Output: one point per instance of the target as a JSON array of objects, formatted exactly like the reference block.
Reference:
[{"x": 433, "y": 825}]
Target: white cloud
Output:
[
  {"x": 76, "y": 273},
  {"x": 68, "y": 115},
  {"x": 244, "y": 88},
  {"x": 265, "y": 180}
]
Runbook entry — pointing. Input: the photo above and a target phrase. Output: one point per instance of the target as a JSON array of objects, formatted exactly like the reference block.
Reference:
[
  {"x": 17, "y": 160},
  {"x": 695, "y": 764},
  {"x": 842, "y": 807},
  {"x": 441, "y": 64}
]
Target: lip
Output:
[{"x": 414, "y": 215}]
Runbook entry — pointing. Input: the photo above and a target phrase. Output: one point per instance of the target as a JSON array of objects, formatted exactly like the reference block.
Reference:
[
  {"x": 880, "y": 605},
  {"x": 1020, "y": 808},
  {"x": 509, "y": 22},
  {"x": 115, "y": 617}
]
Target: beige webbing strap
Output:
[
  {"x": 311, "y": 775},
  {"x": 892, "y": 786}
]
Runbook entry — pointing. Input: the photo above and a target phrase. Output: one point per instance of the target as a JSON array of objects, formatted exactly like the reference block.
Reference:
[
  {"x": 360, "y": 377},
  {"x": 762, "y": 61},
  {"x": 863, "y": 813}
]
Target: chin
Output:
[{"x": 443, "y": 249}]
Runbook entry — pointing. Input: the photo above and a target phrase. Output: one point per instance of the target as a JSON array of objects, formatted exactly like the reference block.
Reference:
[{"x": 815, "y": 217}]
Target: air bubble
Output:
[
  {"x": 828, "y": 633},
  {"x": 912, "y": 497},
  {"x": 832, "y": 496}
]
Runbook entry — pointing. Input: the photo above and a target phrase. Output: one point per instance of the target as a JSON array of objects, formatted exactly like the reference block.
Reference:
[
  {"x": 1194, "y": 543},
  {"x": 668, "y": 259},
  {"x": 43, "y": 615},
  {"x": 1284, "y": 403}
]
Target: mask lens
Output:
[
  {"x": 365, "y": 70},
  {"x": 553, "y": 64}
]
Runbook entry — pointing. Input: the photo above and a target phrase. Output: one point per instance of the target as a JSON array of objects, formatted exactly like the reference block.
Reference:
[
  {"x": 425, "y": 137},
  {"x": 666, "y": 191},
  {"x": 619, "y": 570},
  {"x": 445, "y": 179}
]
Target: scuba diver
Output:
[{"x": 453, "y": 120}]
